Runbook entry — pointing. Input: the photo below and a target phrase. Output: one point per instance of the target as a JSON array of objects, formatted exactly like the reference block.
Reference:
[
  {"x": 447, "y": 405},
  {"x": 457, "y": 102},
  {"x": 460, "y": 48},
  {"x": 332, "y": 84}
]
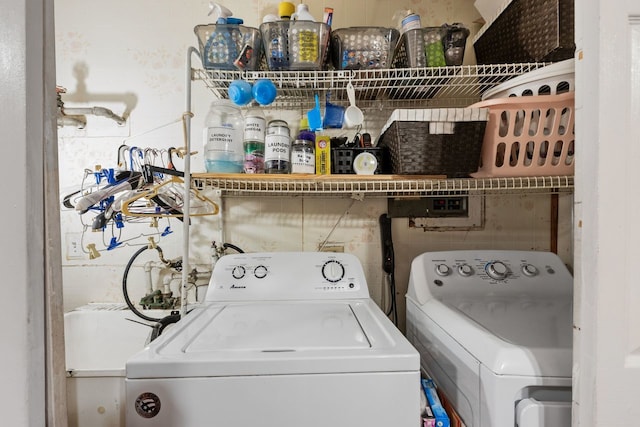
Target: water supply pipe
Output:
[
  {"x": 77, "y": 121},
  {"x": 93, "y": 111}
]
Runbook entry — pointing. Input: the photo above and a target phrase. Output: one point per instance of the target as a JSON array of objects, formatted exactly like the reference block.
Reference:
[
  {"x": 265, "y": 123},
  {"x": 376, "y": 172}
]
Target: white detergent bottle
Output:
[
  {"x": 304, "y": 40},
  {"x": 302, "y": 14}
]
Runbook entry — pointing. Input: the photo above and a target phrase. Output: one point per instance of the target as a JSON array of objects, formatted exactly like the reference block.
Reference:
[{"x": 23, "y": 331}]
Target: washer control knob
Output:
[
  {"x": 530, "y": 270},
  {"x": 333, "y": 271},
  {"x": 238, "y": 272},
  {"x": 465, "y": 270},
  {"x": 442, "y": 270},
  {"x": 260, "y": 272},
  {"x": 497, "y": 270}
]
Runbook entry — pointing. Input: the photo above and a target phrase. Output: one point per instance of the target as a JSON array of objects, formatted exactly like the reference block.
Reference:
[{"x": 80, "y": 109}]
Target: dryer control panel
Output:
[
  {"x": 497, "y": 273},
  {"x": 287, "y": 276}
]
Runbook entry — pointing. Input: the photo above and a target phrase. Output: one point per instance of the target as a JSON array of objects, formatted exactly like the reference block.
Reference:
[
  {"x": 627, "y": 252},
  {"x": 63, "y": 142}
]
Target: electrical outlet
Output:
[{"x": 74, "y": 246}]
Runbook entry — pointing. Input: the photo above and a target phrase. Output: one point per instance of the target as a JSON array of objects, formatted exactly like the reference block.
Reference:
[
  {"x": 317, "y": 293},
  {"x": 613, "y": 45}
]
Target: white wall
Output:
[
  {"x": 22, "y": 385},
  {"x": 130, "y": 57},
  {"x": 606, "y": 319}
]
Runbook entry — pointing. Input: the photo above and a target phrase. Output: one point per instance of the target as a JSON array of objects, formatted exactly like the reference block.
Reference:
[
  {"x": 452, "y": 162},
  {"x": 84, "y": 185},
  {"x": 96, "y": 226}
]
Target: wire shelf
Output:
[
  {"x": 376, "y": 185},
  {"x": 377, "y": 90},
  {"x": 455, "y": 85}
]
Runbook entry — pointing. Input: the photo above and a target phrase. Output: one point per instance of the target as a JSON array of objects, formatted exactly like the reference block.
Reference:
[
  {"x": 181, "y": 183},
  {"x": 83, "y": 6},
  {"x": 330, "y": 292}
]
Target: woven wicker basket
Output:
[
  {"x": 528, "y": 31},
  {"x": 444, "y": 141}
]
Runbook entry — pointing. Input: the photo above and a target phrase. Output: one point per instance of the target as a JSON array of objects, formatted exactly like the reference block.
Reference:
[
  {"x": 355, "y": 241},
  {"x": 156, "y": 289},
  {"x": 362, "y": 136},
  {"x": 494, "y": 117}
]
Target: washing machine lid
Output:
[
  {"x": 268, "y": 338},
  {"x": 276, "y": 328},
  {"x": 510, "y": 337}
]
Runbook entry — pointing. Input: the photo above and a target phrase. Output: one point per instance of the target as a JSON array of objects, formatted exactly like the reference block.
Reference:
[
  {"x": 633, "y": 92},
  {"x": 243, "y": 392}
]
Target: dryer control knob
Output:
[
  {"x": 442, "y": 270},
  {"x": 497, "y": 270},
  {"x": 530, "y": 270},
  {"x": 238, "y": 272},
  {"x": 465, "y": 270}
]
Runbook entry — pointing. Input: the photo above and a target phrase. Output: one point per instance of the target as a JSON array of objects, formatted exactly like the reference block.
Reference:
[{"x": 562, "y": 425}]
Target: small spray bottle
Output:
[
  {"x": 223, "y": 15},
  {"x": 222, "y": 49}
]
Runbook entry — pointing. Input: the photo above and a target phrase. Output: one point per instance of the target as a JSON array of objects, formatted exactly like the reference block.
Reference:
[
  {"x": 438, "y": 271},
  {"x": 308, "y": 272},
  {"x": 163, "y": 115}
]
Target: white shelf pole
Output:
[{"x": 186, "y": 219}]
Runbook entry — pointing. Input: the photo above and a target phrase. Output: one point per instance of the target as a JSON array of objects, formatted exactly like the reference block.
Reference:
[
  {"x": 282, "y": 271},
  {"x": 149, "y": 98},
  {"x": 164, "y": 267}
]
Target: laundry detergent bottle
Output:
[{"x": 223, "y": 135}]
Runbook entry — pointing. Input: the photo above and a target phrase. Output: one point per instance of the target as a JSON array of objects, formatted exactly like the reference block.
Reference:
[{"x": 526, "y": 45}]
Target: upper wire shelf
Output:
[
  {"x": 376, "y": 185},
  {"x": 454, "y": 85}
]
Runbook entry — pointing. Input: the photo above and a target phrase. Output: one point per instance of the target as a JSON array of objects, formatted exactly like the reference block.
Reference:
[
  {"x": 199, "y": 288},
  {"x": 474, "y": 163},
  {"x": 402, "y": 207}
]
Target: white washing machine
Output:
[
  {"x": 282, "y": 340},
  {"x": 494, "y": 330}
]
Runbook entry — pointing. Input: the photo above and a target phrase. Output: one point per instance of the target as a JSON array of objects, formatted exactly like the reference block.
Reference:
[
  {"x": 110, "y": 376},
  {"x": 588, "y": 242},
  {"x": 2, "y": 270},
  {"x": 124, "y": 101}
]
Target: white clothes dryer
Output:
[
  {"x": 494, "y": 330},
  {"x": 282, "y": 339}
]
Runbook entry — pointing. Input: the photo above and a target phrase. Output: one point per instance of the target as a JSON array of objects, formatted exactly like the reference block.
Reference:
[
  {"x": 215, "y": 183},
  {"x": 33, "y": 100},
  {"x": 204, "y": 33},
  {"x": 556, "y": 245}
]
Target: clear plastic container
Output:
[
  {"x": 275, "y": 36},
  {"x": 223, "y": 135},
  {"x": 419, "y": 48},
  {"x": 307, "y": 45},
  {"x": 363, "y": 47},
  {"x": 295, "y": 45},
  {"x": 229, "y": 46}
]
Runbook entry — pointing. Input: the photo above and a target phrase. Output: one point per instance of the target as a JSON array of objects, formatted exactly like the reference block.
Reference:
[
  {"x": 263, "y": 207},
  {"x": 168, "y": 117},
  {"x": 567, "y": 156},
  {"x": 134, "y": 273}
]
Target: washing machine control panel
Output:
[
  {"x": 452, "y": 273},
  {"x": 287, "y": 275}
]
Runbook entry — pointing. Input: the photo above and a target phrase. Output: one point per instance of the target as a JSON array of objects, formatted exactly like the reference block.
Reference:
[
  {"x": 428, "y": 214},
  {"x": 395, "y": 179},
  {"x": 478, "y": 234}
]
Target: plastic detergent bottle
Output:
[
  {"x": 223, "y": 135},
  {"x": 410, "y": 22},
  {"x": 302, "y": 14},
  {"x": 406, "y": 20},
  {"x": 304, "y": 40}
]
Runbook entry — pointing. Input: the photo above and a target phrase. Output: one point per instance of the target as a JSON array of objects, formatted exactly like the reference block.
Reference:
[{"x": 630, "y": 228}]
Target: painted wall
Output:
[{"x": 130, "y": 57}]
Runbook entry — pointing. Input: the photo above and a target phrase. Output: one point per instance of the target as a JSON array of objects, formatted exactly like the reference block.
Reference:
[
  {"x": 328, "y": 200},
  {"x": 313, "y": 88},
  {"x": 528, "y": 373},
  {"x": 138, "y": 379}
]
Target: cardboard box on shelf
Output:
[{"x": 323, "y": 155}]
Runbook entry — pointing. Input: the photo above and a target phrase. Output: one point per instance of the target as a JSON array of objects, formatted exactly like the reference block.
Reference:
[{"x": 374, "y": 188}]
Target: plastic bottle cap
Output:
[
  {"x": 264, "y": 91},
  {"x": 240, "y": 92},
  {"x": 270, "y": 18},
  {"x": 304, "y": 123},
  {"x": 286, "y": 9}
]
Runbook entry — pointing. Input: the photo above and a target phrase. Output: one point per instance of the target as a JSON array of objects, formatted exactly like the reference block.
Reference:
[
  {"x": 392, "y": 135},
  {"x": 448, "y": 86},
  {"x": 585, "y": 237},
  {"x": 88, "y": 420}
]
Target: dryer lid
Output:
[
  {"x": 523, "y": 322},
  {"x": 527, "y": 344}
]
